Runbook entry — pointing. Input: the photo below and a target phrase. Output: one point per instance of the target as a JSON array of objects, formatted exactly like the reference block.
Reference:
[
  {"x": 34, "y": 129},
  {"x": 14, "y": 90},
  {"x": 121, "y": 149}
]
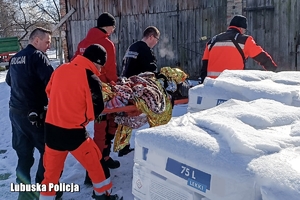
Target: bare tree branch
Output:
[
  {"x": 57, "y": 9},
  {"x": 19, "y": 16},
  {"x": 52, "y": 11}
]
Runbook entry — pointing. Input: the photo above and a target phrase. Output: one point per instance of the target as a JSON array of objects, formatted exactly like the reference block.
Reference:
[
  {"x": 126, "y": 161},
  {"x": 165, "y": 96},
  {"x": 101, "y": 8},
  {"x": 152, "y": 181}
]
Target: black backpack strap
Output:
[
  {"x": 214, "y": 40},
  {"x": 238, "y": 47}
]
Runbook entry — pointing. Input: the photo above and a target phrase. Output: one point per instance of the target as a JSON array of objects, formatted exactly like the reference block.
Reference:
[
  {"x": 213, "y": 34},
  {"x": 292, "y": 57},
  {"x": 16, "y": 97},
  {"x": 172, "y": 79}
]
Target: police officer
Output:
[
  {"x": 28, "y": 74},
  {"x": 139, "y": 57}
]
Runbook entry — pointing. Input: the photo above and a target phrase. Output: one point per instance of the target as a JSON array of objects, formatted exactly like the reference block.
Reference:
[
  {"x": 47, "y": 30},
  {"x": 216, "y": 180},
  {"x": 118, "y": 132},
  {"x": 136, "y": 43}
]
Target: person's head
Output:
[
  {"x": 40, "y": 38},
  {"x": 97, "y": 54},
  {"x": 151, "y": 36},
  {"x": 239, "y": 21},
  {"x": 107, "y": 22}
]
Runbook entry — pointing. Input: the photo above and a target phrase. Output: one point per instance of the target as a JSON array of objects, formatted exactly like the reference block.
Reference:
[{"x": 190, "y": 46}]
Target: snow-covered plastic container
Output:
[
  {"x": 159, "y": 175},
  {"x": 235, "y": 151},
  {"x": 246, "y": 146},
  {"x": 245, "y": 85}
]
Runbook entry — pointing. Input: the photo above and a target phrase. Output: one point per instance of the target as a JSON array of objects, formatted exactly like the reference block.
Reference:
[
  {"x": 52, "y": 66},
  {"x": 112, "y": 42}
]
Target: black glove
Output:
[
  {"x": 36, "y": 118},
  {"x": 163, "y": 78}
]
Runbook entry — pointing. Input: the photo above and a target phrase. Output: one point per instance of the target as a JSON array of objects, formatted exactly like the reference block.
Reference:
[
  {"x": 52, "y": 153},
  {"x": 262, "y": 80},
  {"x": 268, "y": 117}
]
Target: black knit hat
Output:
[
  {"x": 106, "y": 19},
  {"x": 95, "y": 53},
  {"x": 239, "y": 21}
]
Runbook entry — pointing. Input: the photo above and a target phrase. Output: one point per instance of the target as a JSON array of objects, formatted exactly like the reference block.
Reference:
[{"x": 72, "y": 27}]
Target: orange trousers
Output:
[
  {"x": 104, "y": 133},
  {"x": 87, "y": 154}
]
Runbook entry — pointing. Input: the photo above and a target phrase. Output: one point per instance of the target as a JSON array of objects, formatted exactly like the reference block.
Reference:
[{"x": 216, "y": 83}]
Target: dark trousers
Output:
[
  {"x": 26, "y": 137},
  {"x": 104, "y": 133}
]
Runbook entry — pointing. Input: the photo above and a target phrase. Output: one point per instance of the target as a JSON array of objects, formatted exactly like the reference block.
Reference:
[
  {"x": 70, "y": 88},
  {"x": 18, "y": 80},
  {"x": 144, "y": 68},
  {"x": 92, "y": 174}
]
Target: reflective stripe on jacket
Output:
[
  {"x": 213, "y": 74},
  {"x": 222, "y": 53},
  {"x": 88, "y": 155}
]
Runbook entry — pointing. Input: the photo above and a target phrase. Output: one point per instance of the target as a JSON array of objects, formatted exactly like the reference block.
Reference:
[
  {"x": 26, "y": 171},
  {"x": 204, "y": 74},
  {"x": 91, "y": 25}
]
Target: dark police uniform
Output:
[
  {"x": 28, "y": 74},
  {"x": 138, "y": 58}
]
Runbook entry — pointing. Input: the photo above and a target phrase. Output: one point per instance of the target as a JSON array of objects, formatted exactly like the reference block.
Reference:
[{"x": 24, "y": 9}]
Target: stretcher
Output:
[{"x": 132, "y": 108}]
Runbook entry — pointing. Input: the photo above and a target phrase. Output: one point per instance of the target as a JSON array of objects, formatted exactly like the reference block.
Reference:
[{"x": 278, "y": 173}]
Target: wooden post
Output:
[{"x": 58, "y": 26}]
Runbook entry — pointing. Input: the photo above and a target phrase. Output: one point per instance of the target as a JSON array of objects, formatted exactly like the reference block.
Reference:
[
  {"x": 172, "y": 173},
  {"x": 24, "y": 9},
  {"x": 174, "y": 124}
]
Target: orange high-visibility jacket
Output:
[
  {"x": 222, "y": 52},
  {"x": 97, "y": 36},
  {"x": 75, "y": 96}
]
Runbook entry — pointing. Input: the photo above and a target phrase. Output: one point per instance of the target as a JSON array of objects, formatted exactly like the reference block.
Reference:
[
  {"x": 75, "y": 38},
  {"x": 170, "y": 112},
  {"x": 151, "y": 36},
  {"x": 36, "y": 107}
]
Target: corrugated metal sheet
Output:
[{"x": 181, "y": 22}]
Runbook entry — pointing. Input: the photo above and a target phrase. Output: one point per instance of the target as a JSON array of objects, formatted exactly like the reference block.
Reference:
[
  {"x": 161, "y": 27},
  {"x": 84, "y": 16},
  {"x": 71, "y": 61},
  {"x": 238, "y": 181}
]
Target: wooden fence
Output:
[
  {"x": 182, "y": 24},
  {"x": 275, "y": 25}
]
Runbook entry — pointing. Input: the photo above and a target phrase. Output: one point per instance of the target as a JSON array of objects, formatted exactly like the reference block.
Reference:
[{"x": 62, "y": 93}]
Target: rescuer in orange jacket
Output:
[
  {"x": 104, "y": 128},
  {"x": 75, "y": 99},
  {"x": 230, "y": 49},
  {"x": 106, "y": 25}
]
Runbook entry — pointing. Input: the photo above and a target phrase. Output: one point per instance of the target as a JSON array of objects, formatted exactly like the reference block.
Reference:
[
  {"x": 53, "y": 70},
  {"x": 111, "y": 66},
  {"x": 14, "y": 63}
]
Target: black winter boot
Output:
[
  {"x": 59, "y": 195},
  {"x": 112, "y": 164},
  {"x": 87, "y": 180},
  {"x": 126, "y": 150},
  {"x": 25, "y": 196},
  {"x": 105, "y": 197}
]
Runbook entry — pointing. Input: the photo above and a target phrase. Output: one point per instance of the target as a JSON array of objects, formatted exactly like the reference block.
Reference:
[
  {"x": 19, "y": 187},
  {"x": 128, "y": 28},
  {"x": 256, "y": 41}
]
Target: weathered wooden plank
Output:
[
  {"x": 291, "y": 35},
  {"x": 260, "y": 3},
  {"x": 283, "y": 33},
  {"x": 251, "y": 3},
  {"x": 95, "y": 8},
  {"x": 276, "y": 37},
  {"x": 70, "y": 4},
  {"x": 182, "y": 46},
  {"x": 186, "y": 41},
  {"x": 194, "y": 39},
  {"x": 279, "y": 30},
  {"x": 269, "y": 16},
  {"x": 297, "y": 25},
  {"x": 182, "y": 4},
  {"x": 164, "y": 5},
  {"x": 180, "y": 29},
  {"x": 125, "y": 38},
  {"x": 195, "y": 44}
]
